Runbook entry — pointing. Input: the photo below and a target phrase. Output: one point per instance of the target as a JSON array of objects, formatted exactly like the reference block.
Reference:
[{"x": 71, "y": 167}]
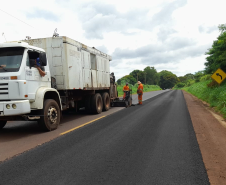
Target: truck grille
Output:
[{"x": 4, "y": 88}]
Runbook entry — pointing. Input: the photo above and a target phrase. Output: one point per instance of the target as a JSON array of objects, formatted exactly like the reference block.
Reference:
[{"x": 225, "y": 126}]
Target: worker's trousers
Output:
[
  {"x": 124, "y": 95},
  {"x": 140, "y": 99}
]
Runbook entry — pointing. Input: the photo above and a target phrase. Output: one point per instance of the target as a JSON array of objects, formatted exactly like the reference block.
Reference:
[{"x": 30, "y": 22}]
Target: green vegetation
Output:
[
  {"x": 147, "y": 88},
  {"x": 217, "y": 54},
  {"x": 148, "y": 76},
  {"x": 215, "y": 95},
  {"x": 167, "y": 79},
  {"x": 128, "y": 78}
]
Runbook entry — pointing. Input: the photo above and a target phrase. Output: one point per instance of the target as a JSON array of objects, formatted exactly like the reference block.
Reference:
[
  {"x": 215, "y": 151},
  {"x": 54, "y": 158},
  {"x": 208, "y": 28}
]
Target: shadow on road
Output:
[{"x": 19, "y": 129}]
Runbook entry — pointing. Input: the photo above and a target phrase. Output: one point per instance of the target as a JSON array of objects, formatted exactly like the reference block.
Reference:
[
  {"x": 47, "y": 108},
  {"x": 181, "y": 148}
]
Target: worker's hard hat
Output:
[
  {"x": 138, "y": 82},
  {"x": 126, "y": 83}
]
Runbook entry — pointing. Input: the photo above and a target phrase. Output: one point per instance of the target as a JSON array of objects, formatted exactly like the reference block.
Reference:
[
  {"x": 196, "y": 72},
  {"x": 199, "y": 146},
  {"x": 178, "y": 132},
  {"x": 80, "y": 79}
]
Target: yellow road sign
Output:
[{"x": 219, "y": 76}]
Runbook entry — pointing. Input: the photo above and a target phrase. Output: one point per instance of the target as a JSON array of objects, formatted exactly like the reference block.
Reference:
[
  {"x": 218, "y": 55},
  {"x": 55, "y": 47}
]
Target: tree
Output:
[
  {"x": 128, "y": 78},
  {"x": 148, "y": 76},
  {"x": 151, "y": 75},
  {"x": 141, "y": 77},
  {"x": 198, "y": 75},
  {"x": 167, "y": 79},
  {"x": 217, "y": 54},
  {"x": 134, "y": 73},
  {"x": 189, "y": 76},
  {"x": 138, "y": 75},
  {"x": 182, "y": 78},
  {"x": 222, "y": 27},
  {"x": 180, "y": 85}
]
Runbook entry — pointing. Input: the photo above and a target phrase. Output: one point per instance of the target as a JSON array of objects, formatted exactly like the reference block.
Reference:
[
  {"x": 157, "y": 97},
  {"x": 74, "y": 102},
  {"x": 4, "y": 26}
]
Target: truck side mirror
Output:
[{"x": 42, "y": 57}]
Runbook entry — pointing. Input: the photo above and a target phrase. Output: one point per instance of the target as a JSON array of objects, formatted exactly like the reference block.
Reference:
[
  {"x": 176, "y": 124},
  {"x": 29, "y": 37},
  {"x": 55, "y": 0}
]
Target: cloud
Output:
[
  {"x": 178, "y": 43},
  {"x": 164, "y": 16},
  {"x": 206, "y": 29},
  {"x": 100, "y": 18},
  {"x": 150, "y": 55},
  {"x": 115, "y": 63},
  {"x": 176, "y": 56},
  {"x": 102, "y": 48},
  {"x": 165, "y": 32},
  {"x": 41, "y": 13},
  {"x": 171, "y": 45}
]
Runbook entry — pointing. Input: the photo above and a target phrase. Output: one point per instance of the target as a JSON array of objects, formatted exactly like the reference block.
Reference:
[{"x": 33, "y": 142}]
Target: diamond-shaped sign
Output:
[{"x": 219, "y": 76}]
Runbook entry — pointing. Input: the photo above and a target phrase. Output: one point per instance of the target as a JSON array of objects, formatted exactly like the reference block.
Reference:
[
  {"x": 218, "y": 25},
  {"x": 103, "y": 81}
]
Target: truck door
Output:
[{"x": 34, "y": 79}]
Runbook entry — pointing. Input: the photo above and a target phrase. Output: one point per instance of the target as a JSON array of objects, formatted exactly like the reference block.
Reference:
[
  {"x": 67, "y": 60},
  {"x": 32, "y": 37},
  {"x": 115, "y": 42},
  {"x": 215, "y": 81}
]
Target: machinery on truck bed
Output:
[{"x": 75, "y": 76}]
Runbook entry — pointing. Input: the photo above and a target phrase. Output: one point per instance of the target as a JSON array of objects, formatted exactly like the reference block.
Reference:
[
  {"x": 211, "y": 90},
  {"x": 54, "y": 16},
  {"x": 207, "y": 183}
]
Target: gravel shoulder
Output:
[{"x": 210, "y": 129}]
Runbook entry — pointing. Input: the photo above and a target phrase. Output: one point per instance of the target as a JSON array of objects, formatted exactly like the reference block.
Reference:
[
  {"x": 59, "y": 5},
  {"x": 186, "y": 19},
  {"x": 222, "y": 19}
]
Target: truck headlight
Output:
[
  {"x": 14, "y": 106},
  {"x": 8, "y": 106}
]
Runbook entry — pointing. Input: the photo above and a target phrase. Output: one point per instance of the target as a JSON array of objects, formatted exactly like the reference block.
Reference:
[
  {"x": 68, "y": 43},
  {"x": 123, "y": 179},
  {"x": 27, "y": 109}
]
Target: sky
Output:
[{"x": 168, "y": 35}]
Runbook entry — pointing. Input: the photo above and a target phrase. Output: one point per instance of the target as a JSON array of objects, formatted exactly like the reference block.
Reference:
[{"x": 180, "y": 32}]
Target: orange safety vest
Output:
[
  {"x": 140, "y": 89},
  {"x": 126, "y": 88}
]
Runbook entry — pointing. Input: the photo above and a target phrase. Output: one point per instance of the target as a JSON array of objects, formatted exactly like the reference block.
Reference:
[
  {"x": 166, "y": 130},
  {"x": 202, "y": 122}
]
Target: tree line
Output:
[
  {"x": 165, "y": 79},
  {"x": 216, "y": 58}
]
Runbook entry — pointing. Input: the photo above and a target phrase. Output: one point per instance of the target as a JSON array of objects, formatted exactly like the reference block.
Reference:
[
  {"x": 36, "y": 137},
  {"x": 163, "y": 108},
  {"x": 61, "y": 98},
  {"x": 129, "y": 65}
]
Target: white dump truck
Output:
[{"x": 39, "y": 78}]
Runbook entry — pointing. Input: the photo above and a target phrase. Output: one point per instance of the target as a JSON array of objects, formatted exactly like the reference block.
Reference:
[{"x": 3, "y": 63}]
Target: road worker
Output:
[
  {"x": 125, "y": 89},
  {"x": 140, "y": 92}
]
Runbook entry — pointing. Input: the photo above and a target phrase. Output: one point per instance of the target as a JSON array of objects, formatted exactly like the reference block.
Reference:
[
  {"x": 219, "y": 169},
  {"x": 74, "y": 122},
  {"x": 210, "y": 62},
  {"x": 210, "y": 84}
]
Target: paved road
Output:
[
  {"x": 16, "y": 133},
  {"x": 150, "y": 144}
]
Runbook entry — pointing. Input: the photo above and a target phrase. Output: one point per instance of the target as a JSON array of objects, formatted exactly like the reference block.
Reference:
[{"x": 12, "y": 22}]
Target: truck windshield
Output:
[{"x": 10, "y": 59}]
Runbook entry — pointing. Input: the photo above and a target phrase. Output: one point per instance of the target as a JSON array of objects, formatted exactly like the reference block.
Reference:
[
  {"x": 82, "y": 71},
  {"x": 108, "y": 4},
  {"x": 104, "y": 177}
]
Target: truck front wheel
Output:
[
  {"x": 50, "y": 116},
  {"x": 2, "y": 123}
]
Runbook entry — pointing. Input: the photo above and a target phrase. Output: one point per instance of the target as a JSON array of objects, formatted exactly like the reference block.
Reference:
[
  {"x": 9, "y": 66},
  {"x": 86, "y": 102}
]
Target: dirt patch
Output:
[{"x": 210, "y": 129}]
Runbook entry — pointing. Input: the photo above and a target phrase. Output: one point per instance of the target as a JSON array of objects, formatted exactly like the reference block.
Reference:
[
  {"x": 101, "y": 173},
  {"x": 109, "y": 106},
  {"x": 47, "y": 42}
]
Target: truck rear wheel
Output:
[
  {"x": 106, "y": 101},
  {"x": 97, "y": 104},
  {"x": 2, "y": 123},
  {"x": 50, "y": 118}
]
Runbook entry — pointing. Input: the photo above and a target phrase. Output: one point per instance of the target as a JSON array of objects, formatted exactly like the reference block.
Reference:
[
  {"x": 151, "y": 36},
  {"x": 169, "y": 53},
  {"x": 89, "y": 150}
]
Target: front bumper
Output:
[{"x": 22, "y": 107}]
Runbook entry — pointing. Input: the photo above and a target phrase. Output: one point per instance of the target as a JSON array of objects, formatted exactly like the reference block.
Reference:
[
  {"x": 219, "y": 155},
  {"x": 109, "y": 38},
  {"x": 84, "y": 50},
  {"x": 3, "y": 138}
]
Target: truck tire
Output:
[
  {"x": 106, "y": 101},
  {"x": 97, "y": 104},
  {"x": 2, "y": 124},
  {"x": 50, "y": 118}
]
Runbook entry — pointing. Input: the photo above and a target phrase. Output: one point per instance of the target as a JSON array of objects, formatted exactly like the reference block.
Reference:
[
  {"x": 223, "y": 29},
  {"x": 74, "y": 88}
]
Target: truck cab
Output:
[{"x": 22, "y": 88}]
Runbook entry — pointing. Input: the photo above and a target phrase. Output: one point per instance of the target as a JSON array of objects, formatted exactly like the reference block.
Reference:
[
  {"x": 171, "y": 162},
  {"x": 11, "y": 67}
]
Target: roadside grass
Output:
[
  {"x": 215, "y": 96},
  {"x": 147, "y": 88}
]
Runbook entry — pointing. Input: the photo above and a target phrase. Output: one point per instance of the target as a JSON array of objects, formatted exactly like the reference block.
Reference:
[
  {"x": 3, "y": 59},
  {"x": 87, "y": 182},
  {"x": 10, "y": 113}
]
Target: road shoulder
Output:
[{"x": 211, "y": 135}]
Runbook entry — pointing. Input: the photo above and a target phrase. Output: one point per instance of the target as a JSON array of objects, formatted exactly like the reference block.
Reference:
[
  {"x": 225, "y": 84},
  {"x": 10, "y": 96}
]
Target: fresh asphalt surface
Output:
[{"x": 150, "y": 144}]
